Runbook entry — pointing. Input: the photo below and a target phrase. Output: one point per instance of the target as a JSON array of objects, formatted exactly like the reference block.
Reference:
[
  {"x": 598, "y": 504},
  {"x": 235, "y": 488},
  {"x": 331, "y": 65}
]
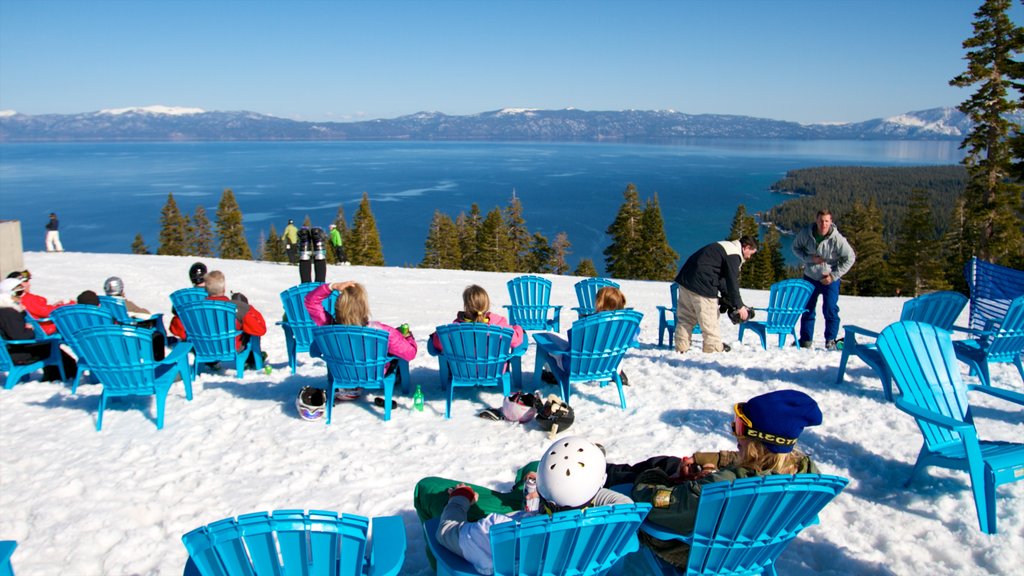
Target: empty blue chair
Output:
[
  {"x": 939, "y": 309},
  {"x": 475, "y": 354},
  {"x": 531, "y": 304},
  {"x": 16, "y": 372},
  {"x": 179, "y": 297},
  {"x": 992, "y": 287},
  {"x": 6, "y": 551},
  {"x": 743, "y": 526},
  {"x": 924, "y": 366},
  {"x": 70, "y": 320},
  {"x": 593, "y": 353},
  {"x": 119, "y": 310},
  {"x": 122, "y": 359},
  {"x": 297, "y": 325},
  {"x": 211, "y": 328},
  {"x": 357, "y": 357},
  {"x": 667, "y": 317},
  {"x": 585, "y": 542},
  {"x": 1002, "y": 341},
  {"x": 295, "y": 542},
  {"x": 787, "y": 301},
  {"x": 586, "y": 294}
]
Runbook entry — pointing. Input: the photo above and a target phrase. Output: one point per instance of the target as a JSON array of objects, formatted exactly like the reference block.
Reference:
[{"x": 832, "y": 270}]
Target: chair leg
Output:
[
  {"x": 330, "y": 401},
  {"x": 538, "y": 368},
  {"x": 99, "y": 414},
  {"x": 842, "y": 364},
  {"x": 918, "y": 465},
  {"x": 622, "y": 394},
  {"x": 1020, "y": 366},
  {"x": 161, "y": 403},
  {"x": 983, "y": 373}
]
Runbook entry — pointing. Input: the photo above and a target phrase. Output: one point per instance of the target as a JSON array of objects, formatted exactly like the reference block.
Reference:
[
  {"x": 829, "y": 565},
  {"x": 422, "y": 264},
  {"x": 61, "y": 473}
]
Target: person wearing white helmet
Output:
[
  {"x": 114, "y": 287},
  {"x": 569, "y": 476}
]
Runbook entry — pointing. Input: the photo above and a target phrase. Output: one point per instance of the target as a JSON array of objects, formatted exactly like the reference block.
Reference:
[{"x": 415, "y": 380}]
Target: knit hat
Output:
[
  {"x": 88, "y": 297},
  {"x": 776, "y": 419},
  {"x": 9, "y": 284}
]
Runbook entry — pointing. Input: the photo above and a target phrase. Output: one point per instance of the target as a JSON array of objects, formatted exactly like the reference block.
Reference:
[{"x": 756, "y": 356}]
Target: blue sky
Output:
[{"x": 806, "y": 61}]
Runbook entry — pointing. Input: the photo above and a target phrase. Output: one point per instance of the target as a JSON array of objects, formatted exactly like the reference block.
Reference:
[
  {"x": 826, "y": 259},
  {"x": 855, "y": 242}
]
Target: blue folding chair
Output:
[
  {"x": 1000, "y": 342},
  {"x": 787, "y": 301},
  {"x": 992, "y": 287},
  {"x": 476, "y": 355},
  {"x": 742, "y": 527},
  {"x": 939, "y": 309},
  {"x": 119, "y": 310},
  {"x": 211, "y": 328},
  {"x": 531, "y": 304},
  {"x": 586, "y": 294},
  {"x": 923, "y": 364},
  {"x": 357, "y": 357},
  {"x": 17, "y": 372},
  {"x": 593, "y": 353},
  {"x": 585, "y": 542},
  {"x": 183, "y": 295},
  {"x": 667, "y": 317},
  {"x": 297, "y": 325},
  {"x": 122, "y": 359},
  {"x": 295, "y": 542},
  {"x": 6, "y": 551},
  {"x": 70, "y": 320}
]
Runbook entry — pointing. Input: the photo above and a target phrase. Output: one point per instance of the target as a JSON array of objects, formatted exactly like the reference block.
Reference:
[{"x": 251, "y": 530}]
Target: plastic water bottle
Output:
[
  {"x": 532, "y": 503},
  {"x": 404, "y": 329},
  {"x": 417, "y": 399},
  {"x": 267, "y": 369}
]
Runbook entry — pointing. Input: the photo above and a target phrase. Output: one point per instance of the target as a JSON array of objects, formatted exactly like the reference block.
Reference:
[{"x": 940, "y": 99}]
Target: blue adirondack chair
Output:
[
  {"x": 667, "y": 318},
  {"x": 992, "y": 288},
  {"x": 6, "y": 551},
  {"x": 357, "y": 357},
  {"x": 939, "y": 309},
  {"x": 70, "y": 320},
  {"x": 787, "y": 301},
  {"x": 595, "y": 349},
  {"x": 295, "y": 542},
  {"x": 297, "y": 325},
  {"x": 586, "y": 294},
  {"x": 16, "y": 372},
  {"x": 531, "y": 304},
  {"x": 585, "y": 542},
  {"x": 1002, "y": 341},
  {"x": 476, "y": 355},
  {"x": 923, "y": 364},
  {"x": 743, "y": 526},
  {"x": 122, "y": 359},
  {"x": 190, "y": 294},
  {"x": 210, "y": 326},
  {"x": 119, "y": 310}
]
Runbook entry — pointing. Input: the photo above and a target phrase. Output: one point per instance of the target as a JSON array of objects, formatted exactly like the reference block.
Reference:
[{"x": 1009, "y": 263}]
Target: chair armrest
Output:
[
  {"x": 181, "y": 350},
  {"x": 387, "y": 548},
  {"x": 543, "y": 342},
  {"x": 850, "y": 329},
  {"x": 934, "y": 417},
  {"x": 652, "y": 529},
  {"x": 1001, "y": 393},
  {"x": 557, "y": 307},
  {"x": 37, "y": 341},
  {"x": 974, "y": 331},
  {"x": 522, "y": 348}
]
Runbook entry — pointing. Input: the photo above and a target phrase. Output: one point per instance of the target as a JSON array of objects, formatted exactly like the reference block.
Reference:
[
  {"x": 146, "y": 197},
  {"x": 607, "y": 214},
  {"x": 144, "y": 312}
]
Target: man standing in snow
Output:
[
  {"x": 338, "y": 245},
  {"x": 826, "y": 256},
  {"x": 713, "y": 268},
  {"x": 53, "y": 234},
  {"x": 290, "y": 237}
]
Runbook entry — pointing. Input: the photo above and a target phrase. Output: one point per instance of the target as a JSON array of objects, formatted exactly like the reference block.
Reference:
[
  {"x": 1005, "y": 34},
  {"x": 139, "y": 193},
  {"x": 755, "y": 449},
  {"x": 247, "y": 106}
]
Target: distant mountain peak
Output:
[
  {"x": 6, "y": 113},
  {"x": 155, "y": 109}
]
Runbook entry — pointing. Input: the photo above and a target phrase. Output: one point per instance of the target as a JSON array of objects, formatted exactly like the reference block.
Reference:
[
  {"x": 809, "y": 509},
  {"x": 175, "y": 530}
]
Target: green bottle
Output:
[{"x": 417, "y": 399}]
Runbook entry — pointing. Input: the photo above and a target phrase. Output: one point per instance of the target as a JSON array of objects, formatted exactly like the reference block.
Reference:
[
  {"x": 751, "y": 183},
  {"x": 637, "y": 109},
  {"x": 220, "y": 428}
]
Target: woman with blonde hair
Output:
[{"x": 476, "y": 307}]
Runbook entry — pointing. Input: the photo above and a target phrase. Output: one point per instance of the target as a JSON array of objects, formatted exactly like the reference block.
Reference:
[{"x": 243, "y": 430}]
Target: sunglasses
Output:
[
  {"x": 26, "y": 276},
  {"x": 737, "y": 427}
]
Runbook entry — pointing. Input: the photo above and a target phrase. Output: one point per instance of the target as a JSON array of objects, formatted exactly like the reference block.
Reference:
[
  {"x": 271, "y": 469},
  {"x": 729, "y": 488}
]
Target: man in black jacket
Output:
[{"x": 709, "y": 271}]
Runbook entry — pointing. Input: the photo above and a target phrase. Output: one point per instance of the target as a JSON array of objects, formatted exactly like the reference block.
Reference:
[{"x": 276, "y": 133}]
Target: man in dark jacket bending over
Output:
[{"x": 712, "y": 269}]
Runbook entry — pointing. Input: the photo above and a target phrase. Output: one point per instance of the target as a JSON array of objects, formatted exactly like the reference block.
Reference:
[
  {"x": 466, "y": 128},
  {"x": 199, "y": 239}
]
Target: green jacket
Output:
[
  {"x": 335, "y": 237},
  {"x": 290, "y": 234}
]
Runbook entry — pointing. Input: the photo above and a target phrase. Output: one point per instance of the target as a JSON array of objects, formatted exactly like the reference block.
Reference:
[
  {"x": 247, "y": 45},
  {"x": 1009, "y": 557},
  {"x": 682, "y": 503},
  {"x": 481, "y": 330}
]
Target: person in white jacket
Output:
[{"x": 826, "y": 256}]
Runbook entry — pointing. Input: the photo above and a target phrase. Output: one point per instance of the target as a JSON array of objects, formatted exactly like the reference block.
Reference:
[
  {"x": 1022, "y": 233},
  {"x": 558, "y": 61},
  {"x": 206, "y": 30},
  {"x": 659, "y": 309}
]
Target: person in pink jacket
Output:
[
  {"x": 476, "y": 306},
  {"x": 353, "y": 308}
]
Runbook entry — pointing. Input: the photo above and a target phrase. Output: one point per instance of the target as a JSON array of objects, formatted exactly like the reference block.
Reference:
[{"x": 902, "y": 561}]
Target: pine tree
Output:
[
  {"x": 992, "y": 203},
  {"x": 261, "y": 247},
  {"x": 658, "y": 259},
  {"x": 956, "y": 250},
  {"x": 743, "y": 224},
  {"x": 442, "y": 246},
  {"x": 585, "y": 268},
  {"x": 622, "y": 254},
  {"x": 772, "y": 245},
  {"x": 202, "y": 233},
  {"x": 492, "y": 244},
  {"x": 233, "y": 245},
  {"x": 862, "y": 228},
  {"x": 273, "y": 248},
  {"x": 139, "y": 245},
  {"x": 560, "y": 250},
  {"x": 917, "y": 260},
  {"x": 468, "y": 225},
  {"x": 173, "y": 230},
  {"x": 540, "y": 256},
  {"x": 518, "y": 235},
  {"x": 342, "y": 226},
  {"x": 307, "y": 222},
  {"x": 364, "y": 247}
]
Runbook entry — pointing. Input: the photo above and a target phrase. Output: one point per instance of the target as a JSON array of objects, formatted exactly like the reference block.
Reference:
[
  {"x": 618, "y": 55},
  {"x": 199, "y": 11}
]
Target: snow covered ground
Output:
[{"x": 117, "y": 501}]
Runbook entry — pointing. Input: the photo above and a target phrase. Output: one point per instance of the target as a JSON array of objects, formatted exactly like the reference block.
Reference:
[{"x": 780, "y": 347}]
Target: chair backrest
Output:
[
  {"x": 924, "y": 366},
  {"x": 586, "y": 293},
  {"x": 590, "y": 541},
  {"x": 787, "y": 300},
  {"x": 117, "y": 308},
  {"x": 598, "y": 342},
  {"x": 72, "y": 319},
  {"x": 938, "y": 308},
  {"x": 121, "y": 357},
  {"x": 992, "y": 288},
  {"x": 673, "y": 293},
  {"x": 183, "y": 295},
  {"x": 355, "y": 355},
  {"x": 294, "y": 302},
  {"x": 475, "y": 352},
  {"x": 742, "y": 526},
  {"x": 531, "y": 298},
  {"x": 281, "y": 542},
  {"x": 211, "y": 327},
  {"x": 1007, "y": 341}
]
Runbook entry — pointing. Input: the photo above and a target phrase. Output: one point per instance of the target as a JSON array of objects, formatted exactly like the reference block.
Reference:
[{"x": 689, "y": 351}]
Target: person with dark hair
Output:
[
  {"x": 53, "y": 234},
  {"x": 247, "y": 318},
  {"x": 708, "y": 272},
  {"x": 14, "y": 326},
  {"x": 197, "y": 275},
  {"x": 825, "y": 256},
  {"x": 476, "y": 307},
  {"x": 37, "y": 306}
]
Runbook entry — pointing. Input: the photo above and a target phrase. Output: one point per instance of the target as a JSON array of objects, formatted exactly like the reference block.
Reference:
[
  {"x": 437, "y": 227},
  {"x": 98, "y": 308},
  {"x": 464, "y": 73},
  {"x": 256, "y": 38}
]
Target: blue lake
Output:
[{"x": 105, "y": 193}]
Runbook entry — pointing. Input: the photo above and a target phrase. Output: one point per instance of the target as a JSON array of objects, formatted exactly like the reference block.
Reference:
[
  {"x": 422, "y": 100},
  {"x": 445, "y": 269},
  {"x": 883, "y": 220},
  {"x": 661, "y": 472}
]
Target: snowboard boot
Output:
[
  {"x": 305, "y": 255},
  {"x": 319, "y": 240}
]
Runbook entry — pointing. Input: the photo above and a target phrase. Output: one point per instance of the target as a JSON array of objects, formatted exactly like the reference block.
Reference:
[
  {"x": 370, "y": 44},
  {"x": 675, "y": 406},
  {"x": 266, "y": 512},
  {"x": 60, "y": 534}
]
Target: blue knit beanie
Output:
[{"x": 776, "y": 419}]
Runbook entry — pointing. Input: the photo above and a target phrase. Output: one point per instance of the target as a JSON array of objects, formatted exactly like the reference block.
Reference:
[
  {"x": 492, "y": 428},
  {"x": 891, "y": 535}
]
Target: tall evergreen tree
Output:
[
  {"x": 992, "y": 206},
  {"x": 273, "y": 248},
  {"x": 233, "y": 245},
  {"x": 342, "y": 226},
  {"x": 622, "y": 255},
  {"x": 173, "y": 230},
  {"x": 364, "y": 247},
  {"x": 468, "y": 226},
  {"x": 492, "y": 244},
  {"x": 307, "y": 222},
  {"x": 917, "y": 260},
  {"x": 956, "y": 250},
  {"x": 585, "y": 268},
  {"x": 202, "y": 233},
  {"x": 442, "y": 246},
  {"x": 743, "y": 224},
  {"x": 518, "y": 235},
  {"x": 560, "y": 250},
  {"x": 862, "y": 228},
  {"x": 540, "y": 256},
  {"x": 772, "y": 245},
  {"x": 658, "y": 259},
  {"x": 139, "y": 245}
]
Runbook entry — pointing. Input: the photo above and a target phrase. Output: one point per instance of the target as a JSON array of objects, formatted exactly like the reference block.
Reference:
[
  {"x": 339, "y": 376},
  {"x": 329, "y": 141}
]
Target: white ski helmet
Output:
[
  {"x": 113, "y": 286},
  {"x": 571, "y": 472},
  {"x": 311, "y": 403}
]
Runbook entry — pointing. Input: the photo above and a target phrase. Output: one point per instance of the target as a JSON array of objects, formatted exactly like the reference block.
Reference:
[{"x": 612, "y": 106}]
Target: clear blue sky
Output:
[{"x": 800, "y": 60}]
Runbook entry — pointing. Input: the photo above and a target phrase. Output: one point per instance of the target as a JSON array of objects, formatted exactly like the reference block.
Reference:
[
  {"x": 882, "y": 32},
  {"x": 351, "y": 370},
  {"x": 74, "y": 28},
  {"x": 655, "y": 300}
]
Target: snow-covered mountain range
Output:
[{"x": 166, "y": 123}]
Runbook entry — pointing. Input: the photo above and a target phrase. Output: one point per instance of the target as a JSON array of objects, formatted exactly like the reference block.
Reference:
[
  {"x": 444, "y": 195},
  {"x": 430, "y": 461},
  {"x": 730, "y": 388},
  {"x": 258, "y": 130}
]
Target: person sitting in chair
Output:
[
  {"x": 476, "y": 307},
  {"x": 247, "y": 318}
]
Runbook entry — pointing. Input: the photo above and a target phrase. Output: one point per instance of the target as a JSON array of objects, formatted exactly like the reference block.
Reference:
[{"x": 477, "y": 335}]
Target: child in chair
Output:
[{"x": 476, "y": 307}]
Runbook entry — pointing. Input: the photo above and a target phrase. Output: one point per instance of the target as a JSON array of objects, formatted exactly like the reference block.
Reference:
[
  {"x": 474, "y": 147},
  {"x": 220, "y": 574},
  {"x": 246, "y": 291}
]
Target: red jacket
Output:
[
  {"x": 251, "y": 322},
  {"x": 39, "y": 308}
]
